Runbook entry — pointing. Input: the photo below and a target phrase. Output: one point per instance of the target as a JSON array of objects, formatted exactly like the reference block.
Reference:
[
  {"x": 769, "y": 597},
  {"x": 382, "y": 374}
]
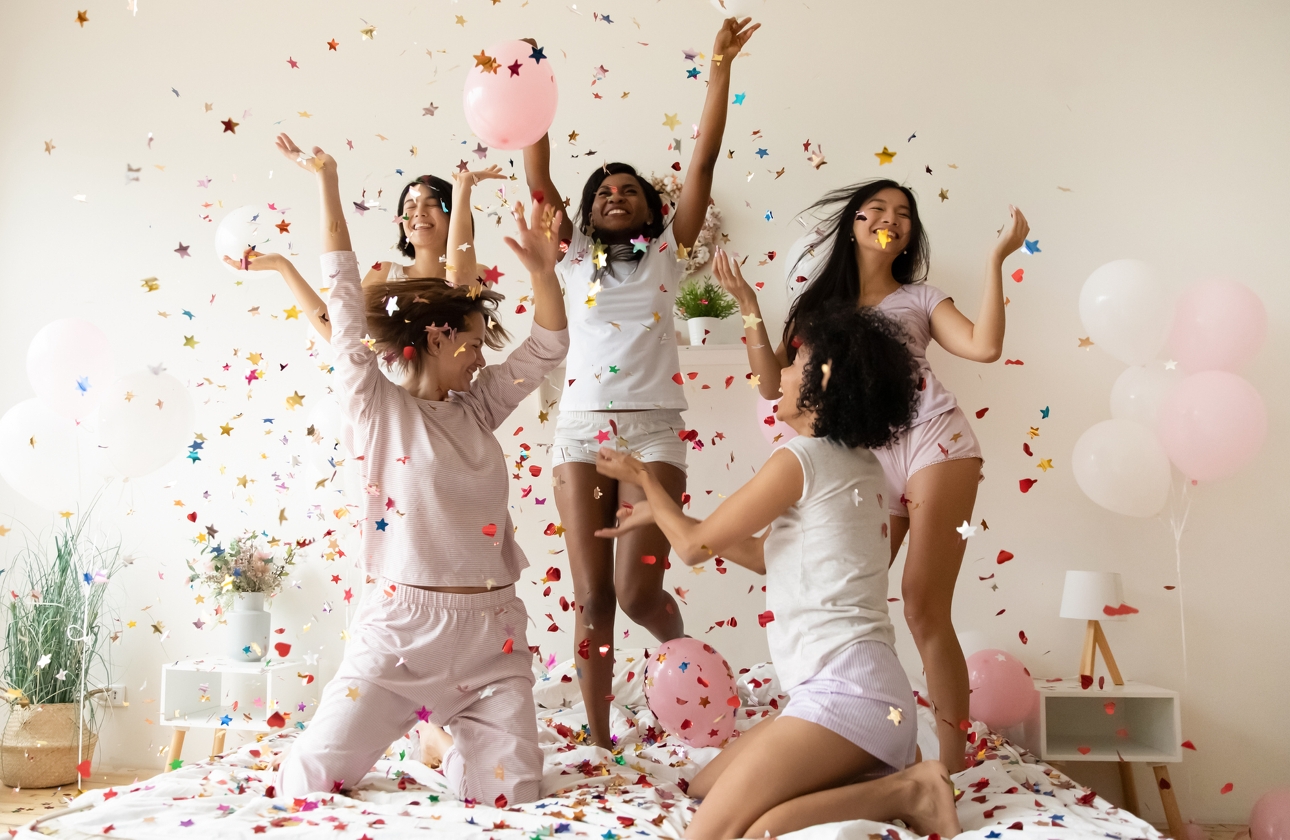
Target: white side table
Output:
[
  {"x": 1120, "y": 723},
  {"x": 223, "y": 694}
]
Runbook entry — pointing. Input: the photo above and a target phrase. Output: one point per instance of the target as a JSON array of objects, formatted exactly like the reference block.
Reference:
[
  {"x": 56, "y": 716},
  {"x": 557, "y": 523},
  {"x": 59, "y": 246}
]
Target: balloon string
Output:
[{"x": 1178, "y": 525}]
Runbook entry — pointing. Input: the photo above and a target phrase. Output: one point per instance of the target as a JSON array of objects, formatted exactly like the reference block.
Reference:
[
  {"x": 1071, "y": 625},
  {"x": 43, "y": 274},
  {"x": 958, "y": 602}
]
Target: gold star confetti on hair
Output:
[
  {"x": 885, "y": 156},
  {"x": 295, "y": 400},
  {"x": 670, "y": 121}
]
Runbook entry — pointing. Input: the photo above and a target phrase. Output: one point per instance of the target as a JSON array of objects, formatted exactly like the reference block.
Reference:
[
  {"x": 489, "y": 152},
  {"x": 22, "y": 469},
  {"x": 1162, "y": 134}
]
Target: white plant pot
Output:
[
  {"x": 702, "y": 329},
  {"x": 249, "y": 623}
]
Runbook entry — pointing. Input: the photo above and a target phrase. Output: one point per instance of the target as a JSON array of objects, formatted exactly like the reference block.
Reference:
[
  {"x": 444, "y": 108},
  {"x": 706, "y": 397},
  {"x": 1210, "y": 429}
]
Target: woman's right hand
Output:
[
  {"x": 255, "y": 261},
  {"x": 320, "y": 161},
  {"x": 538, "y": 243},
  {"x": 630, "y": 518},
  {"x": 471, "y": 177},
  {"x": 732, "y": 280}
]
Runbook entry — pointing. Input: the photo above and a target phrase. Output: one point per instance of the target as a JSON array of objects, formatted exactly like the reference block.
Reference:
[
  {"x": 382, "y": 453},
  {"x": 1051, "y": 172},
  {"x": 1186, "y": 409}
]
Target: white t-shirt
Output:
[
  {"x": 622, "y": 347},
  {"x": 910, "y": 306},
  {"x": 826, "y": 561}
]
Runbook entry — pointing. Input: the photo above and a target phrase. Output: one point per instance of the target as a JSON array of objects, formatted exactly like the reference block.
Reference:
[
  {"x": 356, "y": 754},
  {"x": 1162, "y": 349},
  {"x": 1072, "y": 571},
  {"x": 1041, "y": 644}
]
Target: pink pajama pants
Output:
[{"x": 415, "y": 655}]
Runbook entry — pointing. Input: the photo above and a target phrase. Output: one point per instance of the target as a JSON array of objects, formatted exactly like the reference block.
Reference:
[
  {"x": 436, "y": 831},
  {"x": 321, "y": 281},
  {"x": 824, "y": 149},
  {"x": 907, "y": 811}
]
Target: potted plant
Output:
[
  {"x": 240, "y": 578},
  {"x": 701, "y": 304},
  {"x": 55, "y": 636}
]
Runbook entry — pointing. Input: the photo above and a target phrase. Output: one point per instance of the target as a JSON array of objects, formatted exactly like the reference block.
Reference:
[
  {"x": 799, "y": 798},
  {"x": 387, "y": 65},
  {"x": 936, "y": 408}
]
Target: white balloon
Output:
[
  {"x": 48, "y": 458},
  {"x": 739, "y": 8},
  {"x": 246, "y": 227},
  {"x": 1139, "y": 391},
  {"x": 1121, "y": 465},
  {"x": 69, "y": 363},
  {"x": 1123, "y": 308},
  {"x": 145, "y": 421}
]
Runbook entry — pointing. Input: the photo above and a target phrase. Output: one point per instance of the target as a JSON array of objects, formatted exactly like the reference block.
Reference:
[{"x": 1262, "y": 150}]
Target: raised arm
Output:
[
  {"x": 693, "y": 206},
  {"x": 982, "y": 341},
  {"x": 774, "y": 489},
  {"x": 309, "y": 300},
  {"x": 459, "y": 267},
  {"x": 766, "y": 362},
  {"x": 537, "y": 173}
]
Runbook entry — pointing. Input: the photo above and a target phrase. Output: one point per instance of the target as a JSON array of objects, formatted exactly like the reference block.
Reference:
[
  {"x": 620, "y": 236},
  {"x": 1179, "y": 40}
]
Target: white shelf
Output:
[
  {"x": 718, "y": 354},
  {"x": 200, "y": 692},
  {"x": 1132, "y": 722}
]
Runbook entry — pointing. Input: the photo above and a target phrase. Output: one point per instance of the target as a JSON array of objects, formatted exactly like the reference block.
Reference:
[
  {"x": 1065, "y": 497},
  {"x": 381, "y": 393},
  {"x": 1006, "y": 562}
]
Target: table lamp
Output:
[{"x": 1095, "y": 597}]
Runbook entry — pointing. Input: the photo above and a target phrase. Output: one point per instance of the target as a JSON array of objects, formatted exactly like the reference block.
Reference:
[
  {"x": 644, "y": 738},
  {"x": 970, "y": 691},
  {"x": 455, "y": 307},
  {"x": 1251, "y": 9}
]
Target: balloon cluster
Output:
[
  {"x": 83, "y": 427},
  {"x": 1194, "y": 411}
]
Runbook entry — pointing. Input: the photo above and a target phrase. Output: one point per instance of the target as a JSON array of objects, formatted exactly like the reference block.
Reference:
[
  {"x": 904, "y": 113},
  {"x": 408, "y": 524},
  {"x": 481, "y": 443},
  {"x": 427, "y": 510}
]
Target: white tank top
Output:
[{"x": 622, "y": 338}]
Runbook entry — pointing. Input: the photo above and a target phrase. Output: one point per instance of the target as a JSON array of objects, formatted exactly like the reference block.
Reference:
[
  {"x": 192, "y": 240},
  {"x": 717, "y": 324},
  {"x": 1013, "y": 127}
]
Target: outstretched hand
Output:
[
  {"x": 318, "y": 161},
  {"x": 538, "y": 243},
  {"x": 732, "y": 280},
  {"x": 472, "y": 177},
  {"x": 630, "y": 518},
  {"x": 619, "y": 466},
  {"x": 1013, "y": 235},
  {"x": 732, "y": 36},
  {"x": 253, "y": 260}
]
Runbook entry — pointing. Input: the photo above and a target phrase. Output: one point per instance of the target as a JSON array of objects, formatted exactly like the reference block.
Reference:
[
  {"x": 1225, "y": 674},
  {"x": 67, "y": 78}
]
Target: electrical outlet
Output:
[{"x": 114, "y": 695}]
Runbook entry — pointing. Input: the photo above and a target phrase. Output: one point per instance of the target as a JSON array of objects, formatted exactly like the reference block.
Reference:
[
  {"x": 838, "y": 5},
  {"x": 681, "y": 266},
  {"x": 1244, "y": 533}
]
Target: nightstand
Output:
[
  {"x": 1120, "y": 723},
  {"x": 224, "y": 694}
]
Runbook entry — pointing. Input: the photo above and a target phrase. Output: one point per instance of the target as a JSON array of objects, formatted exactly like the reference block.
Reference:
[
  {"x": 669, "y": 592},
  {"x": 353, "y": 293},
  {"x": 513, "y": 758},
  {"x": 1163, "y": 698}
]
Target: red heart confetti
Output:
[
  {"x": 192, "y": 517},
  {"x": 1225, "y": 789},
  {"x": 1109, "y": 708},
  {"x": 1188, "y": 745},
  {"x": 1019, "y": 275},
  {"x": 765, "y": 618},
  {"x": 490, "y": 530},
  {"x": 980, "y": 412},
  {"x": 276, "y": 721},
  {"x": 1123, "y": 609},
  {"x": 649, "y": 559},
  {"x": 508, "y": 646},
  {"x": 1027, "y": 483},
  {"x": 501, "y": 801},
  {"x": 676, "y": 377},
  {"x": 83, "y": 769},
  {"x": 282, "y": 649},
  {"x": 1022, "y": 635},
  {"x": 1004, "y": 557},
  {"x": 1084, "y": 750}
]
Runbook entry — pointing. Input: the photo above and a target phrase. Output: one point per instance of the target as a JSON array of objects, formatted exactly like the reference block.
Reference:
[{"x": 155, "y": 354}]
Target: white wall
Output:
[{"x": 1165, "y": 120}]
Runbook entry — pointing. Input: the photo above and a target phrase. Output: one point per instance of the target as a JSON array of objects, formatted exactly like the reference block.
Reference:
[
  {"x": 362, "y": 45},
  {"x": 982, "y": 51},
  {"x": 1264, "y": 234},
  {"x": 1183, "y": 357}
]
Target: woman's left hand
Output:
[
  {"x": 255, "y": 261},
  {"x": 538, "y": 245},
  {"x": 1013, "y": 235},
  {"x": 472, "y": 177},
  {"x": 731, "y": 38},
  {"x": 619, "y": 466}
]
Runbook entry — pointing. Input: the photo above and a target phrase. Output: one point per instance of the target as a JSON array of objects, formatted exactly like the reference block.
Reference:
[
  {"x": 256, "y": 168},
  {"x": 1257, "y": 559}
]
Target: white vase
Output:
[
  {"x": 702, "y": 329},
  {"x": 249, "y": 623}
]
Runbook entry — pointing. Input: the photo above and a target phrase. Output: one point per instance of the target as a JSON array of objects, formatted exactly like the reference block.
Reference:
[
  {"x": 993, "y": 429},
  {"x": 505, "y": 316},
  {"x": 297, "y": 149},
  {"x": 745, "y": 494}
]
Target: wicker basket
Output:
[{"x": 39, "y": 746}]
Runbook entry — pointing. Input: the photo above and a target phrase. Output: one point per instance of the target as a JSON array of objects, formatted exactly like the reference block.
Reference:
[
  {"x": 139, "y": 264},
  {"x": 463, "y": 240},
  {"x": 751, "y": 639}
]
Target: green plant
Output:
[
  {"x": 704, "y": 299},
  {"x": 247, "y": 565},
  {"x": 56, "y": 634}
]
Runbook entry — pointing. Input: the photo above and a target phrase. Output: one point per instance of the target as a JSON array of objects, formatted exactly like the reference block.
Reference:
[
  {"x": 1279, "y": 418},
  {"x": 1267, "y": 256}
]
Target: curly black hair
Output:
[
  {"x": 872, "y": 392},
  {"x": 653, "y": 199}
]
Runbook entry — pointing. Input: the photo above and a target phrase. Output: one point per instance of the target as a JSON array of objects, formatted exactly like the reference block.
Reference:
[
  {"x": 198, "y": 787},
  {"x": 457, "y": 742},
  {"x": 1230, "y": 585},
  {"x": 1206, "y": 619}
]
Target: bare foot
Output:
[
  {"x": 931, "y": 805},
  {"x": 434, "y": 744}
]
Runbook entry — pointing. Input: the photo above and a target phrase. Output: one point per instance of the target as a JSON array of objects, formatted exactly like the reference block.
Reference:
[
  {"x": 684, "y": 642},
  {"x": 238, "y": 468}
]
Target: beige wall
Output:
[{"x": 1167, "y": 121}]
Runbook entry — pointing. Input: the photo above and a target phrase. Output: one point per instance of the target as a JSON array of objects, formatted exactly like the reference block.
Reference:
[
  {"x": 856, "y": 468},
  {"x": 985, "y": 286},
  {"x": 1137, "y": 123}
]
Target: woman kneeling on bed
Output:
[{"x": 843, "y": 747}]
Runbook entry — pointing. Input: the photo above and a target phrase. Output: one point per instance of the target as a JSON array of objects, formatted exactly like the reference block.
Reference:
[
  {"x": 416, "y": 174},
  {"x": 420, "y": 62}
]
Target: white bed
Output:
[{"x": 589, "y": 793}]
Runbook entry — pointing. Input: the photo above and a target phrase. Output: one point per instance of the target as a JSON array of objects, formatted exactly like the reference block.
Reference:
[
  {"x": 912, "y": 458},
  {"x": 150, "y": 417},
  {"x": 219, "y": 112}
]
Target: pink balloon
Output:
[
  {"x": 1270, "y": 819},
  {"x": 1218, "y": 325},
  {"x": 1003, "y": 692},
  {"x": 776, "y": 431},
  {"x": 511, "y": 103},
  {"x": 1212, "y": 424},
  {"x": 691, "y": 691}
]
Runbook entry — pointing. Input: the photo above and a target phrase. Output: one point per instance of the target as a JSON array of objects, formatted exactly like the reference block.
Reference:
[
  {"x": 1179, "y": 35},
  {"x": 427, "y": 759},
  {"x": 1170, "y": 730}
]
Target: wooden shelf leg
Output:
[
  {"x": 176, "y": 746},
  {"x": 1170, "y": 802},
  {"x": 217, "y": 746},
  {"x": 1086, "y": 657},
  {"x": 1105, "y": 646},
  {"x": 1130, "y": 788}
]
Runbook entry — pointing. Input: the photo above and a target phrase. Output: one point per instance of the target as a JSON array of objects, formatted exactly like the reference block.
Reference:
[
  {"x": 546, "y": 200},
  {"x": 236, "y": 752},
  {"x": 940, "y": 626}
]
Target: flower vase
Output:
[
  {"x": 248, "y": 628},
  {"x": 701, "y": 329}
]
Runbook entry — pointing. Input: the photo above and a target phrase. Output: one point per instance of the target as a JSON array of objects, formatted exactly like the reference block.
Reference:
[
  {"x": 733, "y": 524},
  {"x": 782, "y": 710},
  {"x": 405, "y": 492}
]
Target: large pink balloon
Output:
[
  {"x": 1212, "y": 424},
  {"x": 510, "y": 103},
  {"x": 1003, "y": 692},
  {"x": 691, "y": 691},
  {"x": 1218, "y": 325},
  {"x": 776, "y": 431},
  {"x": 1270, "y": 819}
]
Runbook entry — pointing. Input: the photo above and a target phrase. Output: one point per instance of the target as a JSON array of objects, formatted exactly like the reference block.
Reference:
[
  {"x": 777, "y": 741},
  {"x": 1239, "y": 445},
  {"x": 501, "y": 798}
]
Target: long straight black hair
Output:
[
  {"x": 440, "y": 189},
  {"x": 838, "y": 283}
]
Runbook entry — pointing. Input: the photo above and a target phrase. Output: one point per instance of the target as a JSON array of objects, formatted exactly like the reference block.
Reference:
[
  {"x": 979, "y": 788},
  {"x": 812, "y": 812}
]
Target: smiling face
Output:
[
  {"x": 884, "y": 218},
  {"x": 460, "y": 356},
  {"x": 790, "y": 387},
  {"x": 424, "y": 222},
  {"x": 619, "y": 206}
]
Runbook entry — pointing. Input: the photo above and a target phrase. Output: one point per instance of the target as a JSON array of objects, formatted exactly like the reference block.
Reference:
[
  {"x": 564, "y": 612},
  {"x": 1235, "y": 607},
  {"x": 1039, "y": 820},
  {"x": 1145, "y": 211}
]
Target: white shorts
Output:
[{"x": 652, "y": 435}]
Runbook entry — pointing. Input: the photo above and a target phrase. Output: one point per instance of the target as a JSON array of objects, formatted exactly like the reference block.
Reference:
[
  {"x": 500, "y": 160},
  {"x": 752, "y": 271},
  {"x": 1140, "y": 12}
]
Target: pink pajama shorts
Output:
[
  {"x": 863, "y": 695},
  {"x": 945, "y": 437},
  {"x": 456, "y": 660}
]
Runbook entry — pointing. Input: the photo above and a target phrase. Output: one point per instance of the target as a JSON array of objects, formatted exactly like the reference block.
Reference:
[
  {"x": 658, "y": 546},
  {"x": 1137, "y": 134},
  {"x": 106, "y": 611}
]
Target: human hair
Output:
[
  {"x": 425, "y": 304},
  {"x": 440, "y": 189},
  {"x": 871, "y": 393},
  {"x": 839, "y": 279},
  {"x": 653, "y": 200}
]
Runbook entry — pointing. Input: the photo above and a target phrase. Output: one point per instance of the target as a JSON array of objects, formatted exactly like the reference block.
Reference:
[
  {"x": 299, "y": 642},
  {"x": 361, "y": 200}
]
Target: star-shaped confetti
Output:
[{"x": 885, "y": 156}]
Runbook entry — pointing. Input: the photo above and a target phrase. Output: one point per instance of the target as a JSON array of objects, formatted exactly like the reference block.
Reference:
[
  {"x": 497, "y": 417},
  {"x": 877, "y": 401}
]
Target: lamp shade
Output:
[{"x": 1087, "y": 593}]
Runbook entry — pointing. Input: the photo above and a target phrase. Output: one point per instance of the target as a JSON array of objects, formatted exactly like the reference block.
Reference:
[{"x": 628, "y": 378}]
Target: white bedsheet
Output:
[{"x": 589, "y": 793}]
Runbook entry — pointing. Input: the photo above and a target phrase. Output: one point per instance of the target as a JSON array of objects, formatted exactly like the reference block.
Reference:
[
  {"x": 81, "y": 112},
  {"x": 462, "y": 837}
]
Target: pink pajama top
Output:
[{"x": 435, "y": 478}]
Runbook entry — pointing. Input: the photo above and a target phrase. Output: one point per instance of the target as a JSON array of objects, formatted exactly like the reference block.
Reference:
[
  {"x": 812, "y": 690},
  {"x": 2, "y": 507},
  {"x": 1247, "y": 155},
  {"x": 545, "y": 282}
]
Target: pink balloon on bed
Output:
[
  {"x": 1003, "y": 692},
  {"x": 510, "y": 95},
  {"x": 691, "y": 691},
  {"x": 776, "y": 431}
]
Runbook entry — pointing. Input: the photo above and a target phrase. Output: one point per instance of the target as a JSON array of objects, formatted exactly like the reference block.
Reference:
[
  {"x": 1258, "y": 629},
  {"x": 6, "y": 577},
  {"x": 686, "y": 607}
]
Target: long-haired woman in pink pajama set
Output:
[{"x": 444, "y": 640}]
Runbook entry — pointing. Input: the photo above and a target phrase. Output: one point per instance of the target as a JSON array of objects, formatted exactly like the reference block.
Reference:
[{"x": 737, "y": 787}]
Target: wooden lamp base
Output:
[{"x": 1095, "y": 640}]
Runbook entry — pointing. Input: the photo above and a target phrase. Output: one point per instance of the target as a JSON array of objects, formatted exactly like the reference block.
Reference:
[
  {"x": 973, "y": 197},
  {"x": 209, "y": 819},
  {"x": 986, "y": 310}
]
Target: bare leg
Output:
[
  {"x": 639, "y": 584},
  {"x": 898, "y": 528},
  {"x": 791, "y": 757},
  {"x": 591, "y": 559},
  {"x": 707, "y": 777},
  {"x": 921, "y": 795},
  {"x": 942, "y": 496}
]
